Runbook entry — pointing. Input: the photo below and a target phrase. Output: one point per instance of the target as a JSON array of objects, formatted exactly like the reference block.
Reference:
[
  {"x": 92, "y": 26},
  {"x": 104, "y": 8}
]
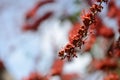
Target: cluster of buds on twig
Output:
[
  {"x": 34, "y": 25},
  {"x": 69, "y": 51}
]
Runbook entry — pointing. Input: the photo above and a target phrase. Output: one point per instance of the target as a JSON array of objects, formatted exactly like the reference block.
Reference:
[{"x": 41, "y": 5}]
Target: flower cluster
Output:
[{"x": 77, "y": 41}]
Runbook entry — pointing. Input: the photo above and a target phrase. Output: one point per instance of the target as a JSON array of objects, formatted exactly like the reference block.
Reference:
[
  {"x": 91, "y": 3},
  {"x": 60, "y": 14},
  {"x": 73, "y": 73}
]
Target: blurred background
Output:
[{"x": 32, "y": 32}]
